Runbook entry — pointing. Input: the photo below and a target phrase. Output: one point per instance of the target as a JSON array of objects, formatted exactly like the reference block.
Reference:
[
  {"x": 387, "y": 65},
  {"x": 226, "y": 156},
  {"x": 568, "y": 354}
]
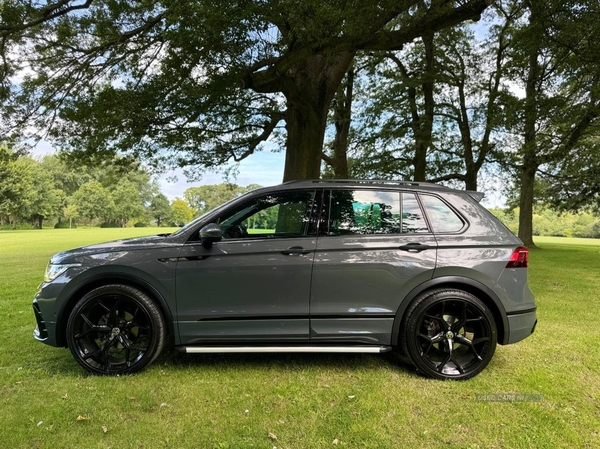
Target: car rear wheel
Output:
[
  {"x": 115, "y": 329},
  {"x": 449, "y": 334}
]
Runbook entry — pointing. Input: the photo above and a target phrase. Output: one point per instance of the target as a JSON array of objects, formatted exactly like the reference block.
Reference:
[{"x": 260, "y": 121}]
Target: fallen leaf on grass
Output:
[
  {"x": 352, "y": 396},
  {"x": 104, "y": 429},
  {"x": 81, "y": 418},
  {"x": 272, "y": 436},
  {"x": 335, "y": 442},
  {"x": 40, "y": 423}
]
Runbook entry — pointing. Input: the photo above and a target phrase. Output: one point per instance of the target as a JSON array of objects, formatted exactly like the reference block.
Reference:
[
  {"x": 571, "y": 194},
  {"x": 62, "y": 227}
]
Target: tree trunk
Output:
[
  {"x": 530, "y": 148},
  {"x": 342, "y": 120},
  {"x": 526, "y": 205},
  {"x": 423, "y": 125},
  {"x": 471, "y": 177},
  {"x": 309, "y": 95}
]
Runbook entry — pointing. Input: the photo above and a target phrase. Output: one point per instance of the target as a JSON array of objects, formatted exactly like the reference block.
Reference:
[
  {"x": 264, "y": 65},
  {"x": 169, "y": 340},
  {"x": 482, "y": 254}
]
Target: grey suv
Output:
[{"x": 306, "y": 266}]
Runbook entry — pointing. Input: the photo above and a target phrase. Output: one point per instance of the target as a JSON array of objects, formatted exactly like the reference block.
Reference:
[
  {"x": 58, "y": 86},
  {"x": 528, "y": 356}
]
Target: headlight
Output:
[{"x": 54, "y": 271}]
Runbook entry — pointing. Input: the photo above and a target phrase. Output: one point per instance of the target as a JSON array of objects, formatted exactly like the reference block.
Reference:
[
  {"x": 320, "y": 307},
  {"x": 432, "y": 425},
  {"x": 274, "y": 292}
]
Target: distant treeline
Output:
[{"x": 551, "y": 223}]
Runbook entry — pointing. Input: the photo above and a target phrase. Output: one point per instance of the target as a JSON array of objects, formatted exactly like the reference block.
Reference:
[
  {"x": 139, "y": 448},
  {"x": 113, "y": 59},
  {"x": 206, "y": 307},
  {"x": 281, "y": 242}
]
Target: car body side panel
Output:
[
  {"x": 245, "y": 289},
  {"x": 149, "y": 268},
  {"x": 362, "y": 279}
]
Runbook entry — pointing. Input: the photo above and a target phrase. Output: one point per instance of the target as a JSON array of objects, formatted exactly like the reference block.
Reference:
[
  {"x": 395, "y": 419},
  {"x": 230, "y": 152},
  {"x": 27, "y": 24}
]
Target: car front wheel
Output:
[
  {"x": 115, "y": 329},
  {"x": 449, "y": 334}
]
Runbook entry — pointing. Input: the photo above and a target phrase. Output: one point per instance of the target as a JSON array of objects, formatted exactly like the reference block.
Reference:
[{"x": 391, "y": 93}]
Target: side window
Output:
[
  {"x": 413, "y": 220},
  {"x": 443, "y": 219},
  {"x": 363, "y": 212},
  {"x": 286, "y": 214}
]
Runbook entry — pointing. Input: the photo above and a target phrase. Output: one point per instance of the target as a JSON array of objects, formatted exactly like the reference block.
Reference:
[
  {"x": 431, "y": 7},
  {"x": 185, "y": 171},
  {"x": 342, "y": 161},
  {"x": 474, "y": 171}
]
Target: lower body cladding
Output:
[
  {"x": 521, "y": 325},
  {"x": 255, "y": 349}
]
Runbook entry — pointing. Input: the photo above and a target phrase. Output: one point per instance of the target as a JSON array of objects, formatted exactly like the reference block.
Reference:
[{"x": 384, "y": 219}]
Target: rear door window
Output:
[
  {"x": 413, "y": 219},
  {"x": 363, "y": 212}
]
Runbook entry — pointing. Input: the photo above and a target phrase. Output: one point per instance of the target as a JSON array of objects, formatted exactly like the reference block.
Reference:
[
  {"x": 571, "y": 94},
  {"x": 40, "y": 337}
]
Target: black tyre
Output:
[
  {"x": 115, "y": 329},
  {"x": 449, "y": 334}
]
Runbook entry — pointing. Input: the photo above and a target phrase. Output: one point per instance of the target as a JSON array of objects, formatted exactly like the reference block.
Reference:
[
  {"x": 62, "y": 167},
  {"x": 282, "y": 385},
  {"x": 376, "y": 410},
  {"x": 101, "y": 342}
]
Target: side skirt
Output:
[{"x": 315, "y": 348}]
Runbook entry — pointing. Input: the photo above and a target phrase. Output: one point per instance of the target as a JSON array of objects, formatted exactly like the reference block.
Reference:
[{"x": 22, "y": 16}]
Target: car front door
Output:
[
  {"x": 254, "y": 285},
  {"x": 374, "y": 247}
]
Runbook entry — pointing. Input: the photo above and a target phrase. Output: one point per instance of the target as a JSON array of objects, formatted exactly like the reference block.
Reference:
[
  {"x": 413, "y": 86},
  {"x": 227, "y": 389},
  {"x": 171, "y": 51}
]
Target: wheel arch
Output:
[
  {"x": 484, "y": 293},
  {"x": 106, "y": 279}
]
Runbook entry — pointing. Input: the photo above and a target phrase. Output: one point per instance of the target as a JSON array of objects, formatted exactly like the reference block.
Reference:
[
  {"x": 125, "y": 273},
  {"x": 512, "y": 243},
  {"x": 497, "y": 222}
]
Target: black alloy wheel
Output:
[
  {"x": 115, "y": 329},
  {"x": 449, "y": 334}
]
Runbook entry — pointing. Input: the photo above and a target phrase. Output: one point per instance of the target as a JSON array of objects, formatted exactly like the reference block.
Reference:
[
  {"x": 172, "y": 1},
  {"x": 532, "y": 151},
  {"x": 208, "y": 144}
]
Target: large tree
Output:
[
  {"x": 556, "y": 62},
  {"x": 198, "y": 82}
]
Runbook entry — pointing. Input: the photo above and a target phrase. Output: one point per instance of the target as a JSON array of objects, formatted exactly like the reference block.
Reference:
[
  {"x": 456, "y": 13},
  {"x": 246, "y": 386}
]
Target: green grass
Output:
[{"x": 307, "y": 401}]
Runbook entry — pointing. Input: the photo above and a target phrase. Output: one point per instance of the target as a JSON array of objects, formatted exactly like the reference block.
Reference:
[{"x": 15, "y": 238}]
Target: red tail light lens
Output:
[{"x": 519, "y": 258}]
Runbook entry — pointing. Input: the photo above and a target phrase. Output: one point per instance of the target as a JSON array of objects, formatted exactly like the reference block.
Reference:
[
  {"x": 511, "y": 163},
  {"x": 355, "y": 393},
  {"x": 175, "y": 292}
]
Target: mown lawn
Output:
[{"x": 306, "y": 401}]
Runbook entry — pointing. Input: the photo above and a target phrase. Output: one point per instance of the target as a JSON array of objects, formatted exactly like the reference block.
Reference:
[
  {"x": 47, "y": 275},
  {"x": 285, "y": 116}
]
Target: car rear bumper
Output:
[{"x": 521, "y": 325}]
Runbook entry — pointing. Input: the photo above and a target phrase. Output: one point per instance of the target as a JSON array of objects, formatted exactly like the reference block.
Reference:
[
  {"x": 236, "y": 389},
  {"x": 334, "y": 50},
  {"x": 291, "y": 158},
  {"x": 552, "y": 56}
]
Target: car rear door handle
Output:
[
  {"x": 414, "y": 247},
  {"x": 295, "y": 250}
]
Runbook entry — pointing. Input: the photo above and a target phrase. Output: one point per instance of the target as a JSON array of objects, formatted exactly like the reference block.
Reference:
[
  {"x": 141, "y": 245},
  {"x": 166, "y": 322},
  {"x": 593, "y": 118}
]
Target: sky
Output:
[{"x": 264, "y": 168}]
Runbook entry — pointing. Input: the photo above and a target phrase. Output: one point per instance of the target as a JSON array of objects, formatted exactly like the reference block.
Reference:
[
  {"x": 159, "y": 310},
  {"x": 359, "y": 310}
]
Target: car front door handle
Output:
[
  {"x": 295, "y": 250},
  {"x": 414, "y": 247}
]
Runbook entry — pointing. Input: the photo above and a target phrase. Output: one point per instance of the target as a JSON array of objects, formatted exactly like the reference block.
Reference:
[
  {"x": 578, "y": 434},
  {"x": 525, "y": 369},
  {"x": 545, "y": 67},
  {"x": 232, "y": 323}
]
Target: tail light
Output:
[{"x": 519, "y": 258}]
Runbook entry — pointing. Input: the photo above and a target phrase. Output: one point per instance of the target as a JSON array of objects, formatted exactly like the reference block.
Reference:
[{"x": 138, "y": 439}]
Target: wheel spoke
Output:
[
  {"x": 105, "y": 349},
  {"x": 459, "y": 367},
  {"x": 125, "y": 342},
  {"x": 113, "y": 312},
  {"x": 101, "y": 304},
  {"x": 448, "y": 357},
  {"x": 471, "y": 344},
  {"x": 91, "y": 327},
  {"x": 462, "y": 321}
]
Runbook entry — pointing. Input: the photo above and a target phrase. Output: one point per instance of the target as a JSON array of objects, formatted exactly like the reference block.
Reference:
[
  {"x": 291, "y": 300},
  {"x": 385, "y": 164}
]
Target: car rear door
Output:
[{"x": 374, "y": 247}]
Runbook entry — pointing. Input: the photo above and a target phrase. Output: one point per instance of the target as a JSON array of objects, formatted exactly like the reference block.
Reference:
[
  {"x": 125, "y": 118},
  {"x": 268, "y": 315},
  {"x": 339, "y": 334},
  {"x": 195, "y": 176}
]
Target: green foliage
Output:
[
  {"x": 138, "y": 78},
  {"x": 160, "y": 209},
  {"x": 548, "y": 222},
  {"x": 204, "y": 198},
  {"x": 127, "y": 202},
  {"x": 181, "y": 213},
  {"x": 65, "y": 225},
  {"x": 94, "y": 201},
  {"x": 26, "y": 190}
]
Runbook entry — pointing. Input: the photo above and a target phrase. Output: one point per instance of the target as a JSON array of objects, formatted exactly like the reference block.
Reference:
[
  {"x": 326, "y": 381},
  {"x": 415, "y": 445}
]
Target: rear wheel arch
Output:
[
  {"x": 98, "y": 281},
  {"x": 485, "y": 294}
]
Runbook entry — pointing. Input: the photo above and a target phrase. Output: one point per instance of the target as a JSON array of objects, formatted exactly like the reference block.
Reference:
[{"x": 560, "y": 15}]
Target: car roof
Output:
[{"x": 368, "y": 183}]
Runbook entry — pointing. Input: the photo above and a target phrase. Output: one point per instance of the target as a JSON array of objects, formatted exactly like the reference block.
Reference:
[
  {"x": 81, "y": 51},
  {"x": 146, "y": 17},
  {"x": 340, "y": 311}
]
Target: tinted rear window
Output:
[{"x": 442, "y": 218}]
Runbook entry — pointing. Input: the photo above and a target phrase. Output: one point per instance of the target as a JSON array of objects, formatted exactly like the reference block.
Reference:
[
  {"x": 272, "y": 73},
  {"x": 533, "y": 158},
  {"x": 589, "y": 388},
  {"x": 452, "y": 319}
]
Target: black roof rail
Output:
[{"x": 366, "y": 182}]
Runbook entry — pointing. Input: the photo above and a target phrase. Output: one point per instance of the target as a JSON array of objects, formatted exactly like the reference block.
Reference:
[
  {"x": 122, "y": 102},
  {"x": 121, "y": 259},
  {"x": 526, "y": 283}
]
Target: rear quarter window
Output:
[{"x": 442, "y": 218}]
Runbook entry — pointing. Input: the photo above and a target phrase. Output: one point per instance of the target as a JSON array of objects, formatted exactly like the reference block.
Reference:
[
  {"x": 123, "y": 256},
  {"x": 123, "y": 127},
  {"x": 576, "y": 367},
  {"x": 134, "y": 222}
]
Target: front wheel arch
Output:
[
  {"x": 116, "y": 329},
  {"x": 100, "y": 280}
]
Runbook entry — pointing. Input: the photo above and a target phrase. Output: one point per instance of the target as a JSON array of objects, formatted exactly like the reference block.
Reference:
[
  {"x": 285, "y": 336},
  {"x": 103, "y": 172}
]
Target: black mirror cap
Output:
[{"x": 210, "y": 234}]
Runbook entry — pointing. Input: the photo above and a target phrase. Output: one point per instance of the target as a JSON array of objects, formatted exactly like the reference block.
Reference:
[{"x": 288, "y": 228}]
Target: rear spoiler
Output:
[{"x": 477, "y": 196}]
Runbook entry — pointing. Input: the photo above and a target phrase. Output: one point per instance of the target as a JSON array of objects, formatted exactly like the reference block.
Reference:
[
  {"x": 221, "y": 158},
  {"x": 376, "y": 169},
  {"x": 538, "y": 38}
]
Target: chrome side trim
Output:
[{"x": 229, "y": 349}]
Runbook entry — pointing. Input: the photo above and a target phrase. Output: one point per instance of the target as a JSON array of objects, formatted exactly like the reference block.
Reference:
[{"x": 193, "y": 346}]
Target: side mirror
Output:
[{"x": 210, "y": 234}]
